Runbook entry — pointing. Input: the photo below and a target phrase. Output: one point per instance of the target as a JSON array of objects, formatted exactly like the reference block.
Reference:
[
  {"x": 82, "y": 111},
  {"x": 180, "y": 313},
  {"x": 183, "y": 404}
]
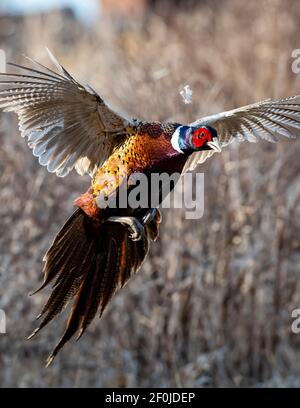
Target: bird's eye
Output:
[{"x": 200, "y": 137}]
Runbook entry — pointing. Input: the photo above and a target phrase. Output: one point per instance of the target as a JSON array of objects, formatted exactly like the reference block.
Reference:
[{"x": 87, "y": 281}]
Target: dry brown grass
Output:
[{"x": 212, "y": 304}]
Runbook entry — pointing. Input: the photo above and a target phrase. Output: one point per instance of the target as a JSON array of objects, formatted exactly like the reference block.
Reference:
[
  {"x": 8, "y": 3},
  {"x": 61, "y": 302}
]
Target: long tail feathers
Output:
[{"x": 88, "y": 261}]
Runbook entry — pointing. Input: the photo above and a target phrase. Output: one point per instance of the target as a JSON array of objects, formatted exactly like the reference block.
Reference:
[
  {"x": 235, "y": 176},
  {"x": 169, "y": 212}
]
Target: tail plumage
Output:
[{"x": 88, "y": 261}]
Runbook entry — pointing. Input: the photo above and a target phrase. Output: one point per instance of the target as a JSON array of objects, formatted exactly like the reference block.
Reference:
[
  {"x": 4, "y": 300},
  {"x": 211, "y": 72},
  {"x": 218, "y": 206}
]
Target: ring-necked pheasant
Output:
[{"x": 68, "y": 125}]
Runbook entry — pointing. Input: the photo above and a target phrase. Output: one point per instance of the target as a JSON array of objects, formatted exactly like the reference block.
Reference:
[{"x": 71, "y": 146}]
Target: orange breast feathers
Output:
[
  {"x": 135, "y": 155},
  {"x": 138, "y": 153}
]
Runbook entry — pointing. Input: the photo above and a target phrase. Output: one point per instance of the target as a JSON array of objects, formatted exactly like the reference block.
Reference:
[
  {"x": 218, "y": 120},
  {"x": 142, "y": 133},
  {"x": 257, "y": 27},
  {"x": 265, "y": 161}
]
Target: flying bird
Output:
[{"x": 69, "y": 126}]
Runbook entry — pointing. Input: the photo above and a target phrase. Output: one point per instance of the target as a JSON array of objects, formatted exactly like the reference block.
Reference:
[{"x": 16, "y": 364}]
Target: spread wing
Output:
[
  {"x": 267, "y": 120},
  {"x": 66, "y": 124}
]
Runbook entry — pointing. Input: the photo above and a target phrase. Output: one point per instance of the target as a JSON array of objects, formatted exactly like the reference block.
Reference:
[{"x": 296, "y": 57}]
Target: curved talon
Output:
[
  {"x": 137, "y": 230},
  {"x": 135, "y": 226}
]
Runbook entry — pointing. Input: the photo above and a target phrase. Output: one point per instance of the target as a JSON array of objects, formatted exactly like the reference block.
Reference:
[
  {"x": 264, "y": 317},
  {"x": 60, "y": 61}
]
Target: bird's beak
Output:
[{"x": 215, "y": 145}]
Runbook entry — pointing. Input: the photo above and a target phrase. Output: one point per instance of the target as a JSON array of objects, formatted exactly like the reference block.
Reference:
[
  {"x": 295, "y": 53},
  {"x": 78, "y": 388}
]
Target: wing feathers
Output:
[
  {"x": 263, "y": 120},
  {"x": 62, "y": 120}
]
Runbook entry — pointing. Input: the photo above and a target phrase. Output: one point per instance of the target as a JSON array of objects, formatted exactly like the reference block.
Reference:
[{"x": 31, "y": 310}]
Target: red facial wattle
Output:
[{"x": 200, "y": 137}]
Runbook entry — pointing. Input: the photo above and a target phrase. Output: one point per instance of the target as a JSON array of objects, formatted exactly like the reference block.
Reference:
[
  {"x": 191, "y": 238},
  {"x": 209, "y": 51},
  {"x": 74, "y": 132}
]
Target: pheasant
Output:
[{"x": 69, "y": 126}]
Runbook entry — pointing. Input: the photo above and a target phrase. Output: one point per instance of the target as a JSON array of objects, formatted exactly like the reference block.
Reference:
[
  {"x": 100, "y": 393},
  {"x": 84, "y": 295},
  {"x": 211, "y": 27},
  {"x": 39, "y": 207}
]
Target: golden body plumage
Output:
[{"x": 141, "y": 152}]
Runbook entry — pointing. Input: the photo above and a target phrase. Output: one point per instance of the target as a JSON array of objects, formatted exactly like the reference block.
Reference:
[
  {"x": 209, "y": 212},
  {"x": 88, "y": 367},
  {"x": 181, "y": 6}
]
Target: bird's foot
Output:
[
  {"x": 135, "y": 225},
  {"x": 149, "y": 216}
]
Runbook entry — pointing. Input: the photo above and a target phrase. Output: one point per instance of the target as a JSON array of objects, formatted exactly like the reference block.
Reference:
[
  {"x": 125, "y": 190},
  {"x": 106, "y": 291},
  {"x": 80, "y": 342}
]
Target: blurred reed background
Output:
[{"x": 212, "y": 304}]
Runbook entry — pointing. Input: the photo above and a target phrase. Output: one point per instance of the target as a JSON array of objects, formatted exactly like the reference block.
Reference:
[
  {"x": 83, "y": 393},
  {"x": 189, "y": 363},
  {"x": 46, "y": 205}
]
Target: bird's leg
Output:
[
  {"x": 136, "y": 226},
  {"x": 149, "y": 216}
]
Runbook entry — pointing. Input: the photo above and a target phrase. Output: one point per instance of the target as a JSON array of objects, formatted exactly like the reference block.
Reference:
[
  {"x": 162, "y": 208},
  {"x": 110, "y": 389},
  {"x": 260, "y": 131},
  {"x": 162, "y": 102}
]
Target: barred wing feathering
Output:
[
  {"x": 66, "y": 124},
  {"x": 263, "y": 120}
]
